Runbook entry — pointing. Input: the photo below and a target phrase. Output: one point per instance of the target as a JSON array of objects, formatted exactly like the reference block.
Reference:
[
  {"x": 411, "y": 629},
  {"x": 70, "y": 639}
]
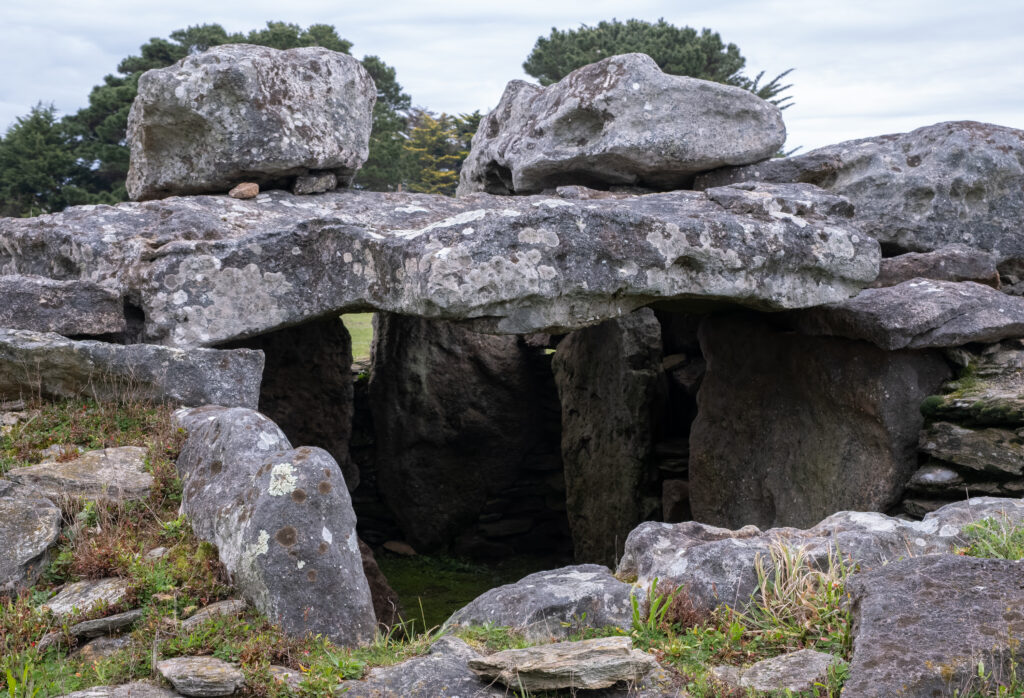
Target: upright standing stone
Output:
[
  {"x": 610, "y": 383},
  {"x": 240, "y": 113}
]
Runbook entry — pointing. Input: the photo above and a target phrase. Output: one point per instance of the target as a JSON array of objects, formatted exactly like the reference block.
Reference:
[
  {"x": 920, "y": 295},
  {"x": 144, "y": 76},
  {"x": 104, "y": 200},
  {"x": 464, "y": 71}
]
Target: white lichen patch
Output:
[
  {"x": 353, "y": 542},
  {"x": 554, "y": 203},
  {"x": 254, "y": 550},
  {"x": 534, "y": 236},
  {"x": 326, "y": 535},
  {"x": 300, "y": 564},
  {"x": 460, "y": 219},
  {"x": 282, "y": 480}
]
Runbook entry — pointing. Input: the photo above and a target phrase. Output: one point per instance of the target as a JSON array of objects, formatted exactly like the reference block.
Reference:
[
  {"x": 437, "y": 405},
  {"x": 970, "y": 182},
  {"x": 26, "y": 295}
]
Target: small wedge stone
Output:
[{"x": 201, "y": 676}]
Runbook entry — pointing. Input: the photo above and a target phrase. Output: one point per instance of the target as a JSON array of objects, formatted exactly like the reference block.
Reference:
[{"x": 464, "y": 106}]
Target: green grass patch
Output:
[
  {"x": 360, "y": 326},
  {"x": 994, "y": 538}
]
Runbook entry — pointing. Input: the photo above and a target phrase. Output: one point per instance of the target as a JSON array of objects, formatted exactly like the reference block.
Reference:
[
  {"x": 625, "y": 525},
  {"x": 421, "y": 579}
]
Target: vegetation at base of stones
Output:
[
  {"x": 987, "y": 683},
  {"x": 676, "y": 50},
  {"x": 994, "y": 538}
]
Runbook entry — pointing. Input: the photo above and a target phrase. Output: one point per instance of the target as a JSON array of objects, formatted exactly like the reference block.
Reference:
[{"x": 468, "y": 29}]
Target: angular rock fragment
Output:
[
  {"x": 205, "y": 677},
  {"x": 315, "y": 183},
  {"x": 82, "y": 597},
  {"x": 231, "y": 607},
  {"x": 248, "y": 113},
  {"x": 102, "y": 647},
  {"x": 587, "y": 664},
  {"x": 29, "y": 526},
  {"x": 957, "y": 182},
  {"x": 281, "y": 519},
  {"x": 620, "y": 121},
  {"x": 105, "y": 626},
  {"x": 996, "y": 451},
  {"x": 34, "y": 363},
  {"x": 950, "y": 263},
  {"x": 115, "y": 474},
  {"x": 795, "y": 671},
  {"x": 553, "y": 604},
  {"x": 68, "y": 307},
  {"x": 990, "y": 394},
  {"x": 921, "y": 626}
]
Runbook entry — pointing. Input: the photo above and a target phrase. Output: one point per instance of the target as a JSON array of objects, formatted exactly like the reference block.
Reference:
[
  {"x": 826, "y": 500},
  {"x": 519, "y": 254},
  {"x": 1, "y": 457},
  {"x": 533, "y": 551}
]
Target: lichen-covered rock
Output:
[
  {"x": 950, "y": 263},
  {"x": 922, "y": 626},
  {"x": 248, "y": 113},
  {"x": 994, "y": 451},
  {"x": 115, "y": 474},
  {"x": 716, "y": 565},
  {"x": 67, "y": 307},
  {"x": 136, "y": 689},
  {"x": 992, "y": 392},
  {"x": 281, "y": 519},
  {"x": 952, "y": 182},
  {"x": 29, "y": 525},
  {"x": 791, "y": 428},
  {"x": 83, "y": 596},
  {"x": 586, "y": 664},
  {"x": 208, "y": 270},
  {"x": 552, "y": 604},
  {"x": 920, "y": 314},
  {"x": 204, "y": 677},
  {"x": 439, "y": 674},
  {"x": 51, "y": 365},
  {"x": 610, "y": 385},
  {"x": 106, "y": 625},
  {"x": 230, "y": 607},
  {"x": 620, "y": 121},
  {"x": 795, "y": 671}
]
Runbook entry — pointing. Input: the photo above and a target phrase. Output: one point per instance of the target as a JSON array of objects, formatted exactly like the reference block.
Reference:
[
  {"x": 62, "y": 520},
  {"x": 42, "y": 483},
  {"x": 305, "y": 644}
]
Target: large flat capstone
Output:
[{"x": 211, "y": 269}]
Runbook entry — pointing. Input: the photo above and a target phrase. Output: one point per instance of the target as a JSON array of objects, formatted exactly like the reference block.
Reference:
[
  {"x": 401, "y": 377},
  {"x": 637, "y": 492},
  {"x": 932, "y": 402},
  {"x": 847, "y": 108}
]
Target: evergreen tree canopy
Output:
[
  {"x": 676, "y": 50},
  {"x": 437, "y": 147}
]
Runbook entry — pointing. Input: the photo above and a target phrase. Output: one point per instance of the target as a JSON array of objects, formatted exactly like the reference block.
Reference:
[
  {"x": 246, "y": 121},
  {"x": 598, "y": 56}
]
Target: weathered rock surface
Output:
[
  {"x": 43, "y": 363},
  {"x": 922, "y": 625},
  {"x": 107, "y": 625},
  {"x": 84, "y": 596},
  {"x": 70, "y": 307},
  {"x": 587, "y": 664},
  {"x": 552, "y": 604},
  {"x": 136, "y": 689},
  {"x": 716, "y": 565},
  {"x": 920, "y": 314},
  {"x": 991, "y": 392},
  {"x": 620, "y": 121},
  {"x": 610, "y": 385},
  {"x": 953, "y": 182},
  {"x": 248, "y": 113},
  {"x": 229, "y": 607},
  {"x": 791, "y": 428},
  {"x": 936, "y": 478},
  {"x": 950, "y": 263},
  {"x": 796, "y": 672},
  {"x": 442, "y": 672},
  {"x": 212, "y": 269},
  {"x": 115, "y": 474},
  {"x": 996, "y": 451},
  {"x": 29, "y": 525},
  {"x": 102, "y": 647},
  {"x": 455, "y": 419},
  {"x": 282, "y": 521},
  {"x": 201, "y": 676}
]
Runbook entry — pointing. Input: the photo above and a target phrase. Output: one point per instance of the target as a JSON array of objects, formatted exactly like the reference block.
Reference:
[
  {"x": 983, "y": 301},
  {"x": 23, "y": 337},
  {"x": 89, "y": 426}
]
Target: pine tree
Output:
[{"x": 437, "y": 146}]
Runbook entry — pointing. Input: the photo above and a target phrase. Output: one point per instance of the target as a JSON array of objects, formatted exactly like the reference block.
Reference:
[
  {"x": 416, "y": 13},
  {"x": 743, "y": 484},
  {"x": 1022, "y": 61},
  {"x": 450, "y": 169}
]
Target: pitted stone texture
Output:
[
  {"x": 441, "y": 673},
  {"x": 281, "y": 519},
  {"x": 587, "y": 664},
  {"x": 204, "y": 677},
  {"x": 950, "y": 263},
  {"x": 241, "y": 113},
  {"x": 51, "y": 365},
  {"x": 611, "y": 386},
  {"x": 29, "y": 525},
  {"x": 620, "y": 121},
  {"x": 954, "y": 182},
  {"x": 115, "y": 474},
  {"x": 920, "y": 314},
  {"x": 716, "y": 565},
  {"x": 212, "y": 269},
  {"x": 69, "y": 307},
  {"x": 790, "y": 428},
  {"x": 553, "y": 604},
  {"x": 82, "y": 597},
  {"x": 921, "y": 626}
]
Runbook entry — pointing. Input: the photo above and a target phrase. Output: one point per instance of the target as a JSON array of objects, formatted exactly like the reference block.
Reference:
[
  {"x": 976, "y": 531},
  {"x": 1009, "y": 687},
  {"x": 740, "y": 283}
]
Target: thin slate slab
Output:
[
  {"x": 67, "y": 307},
  {"x": 116, "y": 474},
  {"x": 994, "y": 451},
  {"x": 29, "y": 526},
  {"x": 85, "y": 595},
  {"x": 105, "y": 626},
  {"x": 204, "y": 677}
]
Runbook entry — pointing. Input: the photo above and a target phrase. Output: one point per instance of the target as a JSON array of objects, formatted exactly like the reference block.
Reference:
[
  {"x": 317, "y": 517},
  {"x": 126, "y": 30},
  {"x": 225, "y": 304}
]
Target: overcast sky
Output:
[{"x": 861, "y": 67}]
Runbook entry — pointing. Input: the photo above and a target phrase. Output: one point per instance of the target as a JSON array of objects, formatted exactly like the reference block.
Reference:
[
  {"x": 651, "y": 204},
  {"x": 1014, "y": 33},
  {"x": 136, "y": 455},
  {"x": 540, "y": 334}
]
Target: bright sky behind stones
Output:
[{"x": 862, "y": 67}]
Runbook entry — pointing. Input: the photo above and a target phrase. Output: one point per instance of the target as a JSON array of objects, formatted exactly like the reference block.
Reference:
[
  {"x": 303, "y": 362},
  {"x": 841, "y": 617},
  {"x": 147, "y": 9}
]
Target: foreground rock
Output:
[
  {"x": 953, "y": 182},
  {"x": 201, "y": 676},
  {"x": 553, "y": 604},
  {"x": 716, "y": 565},
  {"x": 921, "y": 626},
  {"x": 70, "y": 307},
  {"x": 442, "y": 672},
  {"x": 281, "y": 519},
  {"x": 38, "y": 363},
  {"x": 920, "y": 314},
  {"x": 82, "y": 597},
  {"x": 29, "y": 525},
  {"x": 791, "y": 428},
  {"x": 247, "y": 113},
  {"x": 610, "y": 385},
  {"x": 207, "y": 270},
  {"x": 115, "y": 474},
  {"x": 620, "y": 121},
  {"x": 796, "y": 672},
  {"x": 588, "y": 664}
]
